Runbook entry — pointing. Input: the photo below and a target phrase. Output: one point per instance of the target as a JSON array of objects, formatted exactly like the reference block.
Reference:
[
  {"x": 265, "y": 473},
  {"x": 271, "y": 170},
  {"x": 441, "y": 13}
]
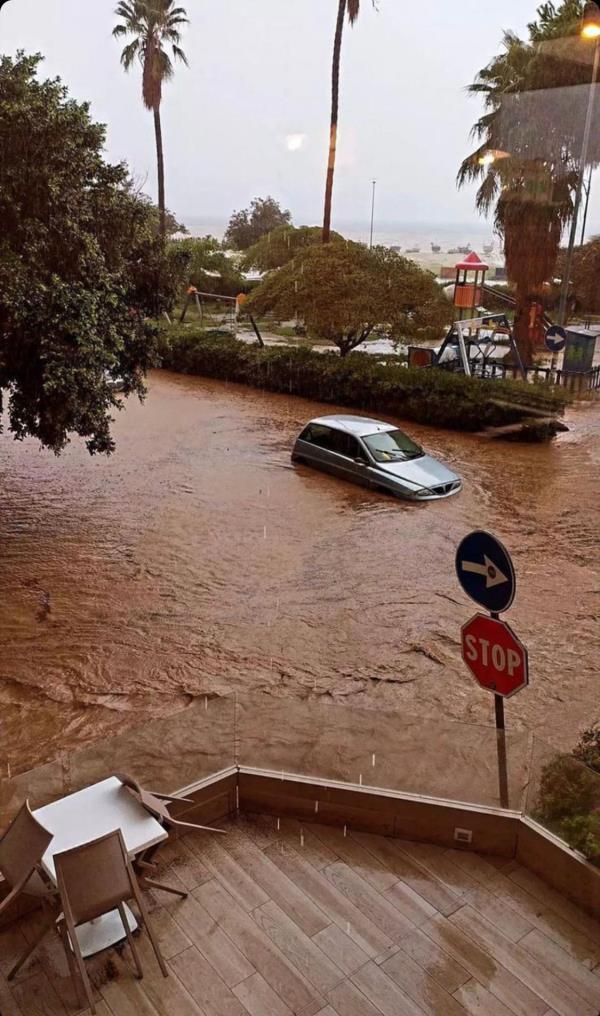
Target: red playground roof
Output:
[{"x": 474, "y": 262}]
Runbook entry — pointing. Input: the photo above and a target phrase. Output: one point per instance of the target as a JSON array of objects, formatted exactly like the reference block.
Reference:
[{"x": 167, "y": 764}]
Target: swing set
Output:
[
  {"x": 232, "y": 309},
  {"x": 476, "y": 347}
]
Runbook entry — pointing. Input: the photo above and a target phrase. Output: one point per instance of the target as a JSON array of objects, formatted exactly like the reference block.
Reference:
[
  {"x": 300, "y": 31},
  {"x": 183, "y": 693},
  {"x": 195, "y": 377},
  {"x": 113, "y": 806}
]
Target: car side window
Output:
[
  {"x": 319, "y": 435},
  {"x": 354, "y": 449},
  {"x": 339, "y": 442},
  {"x": 344, "y": 444}
]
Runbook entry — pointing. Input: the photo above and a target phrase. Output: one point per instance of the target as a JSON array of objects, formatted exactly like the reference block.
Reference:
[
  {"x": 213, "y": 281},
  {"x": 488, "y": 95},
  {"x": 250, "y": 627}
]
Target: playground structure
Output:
[
  {"x": 470, "y": 279},
  {"x": 476, "y": 347}
]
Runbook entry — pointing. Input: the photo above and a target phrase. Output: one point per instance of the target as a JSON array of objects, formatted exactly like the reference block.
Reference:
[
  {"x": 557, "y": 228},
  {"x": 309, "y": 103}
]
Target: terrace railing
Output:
[{"x": 388, "y": 752}]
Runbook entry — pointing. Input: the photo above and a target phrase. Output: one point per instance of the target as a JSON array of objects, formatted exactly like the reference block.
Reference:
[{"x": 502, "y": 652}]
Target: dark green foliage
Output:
[
  {"x": 343, "y": 291},
  {"x": 569, "y": 796},
  {"x": 246, "y": 227},
  {"x": 81, "y": 266},
  {"x": 428, "y": 396}
]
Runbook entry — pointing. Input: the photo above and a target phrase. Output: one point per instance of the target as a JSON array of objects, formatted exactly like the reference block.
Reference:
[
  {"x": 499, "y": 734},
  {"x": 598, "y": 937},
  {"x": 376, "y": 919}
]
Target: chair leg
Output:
[
  {"x": 30, "y": 949},
  {"x": 71, "y": 962},
  {"x": 131, "y": 943},
  {"x": 81, "y": 967},
  {"x": 165, "y": 888},
  {"x": 144, "y": 916}
]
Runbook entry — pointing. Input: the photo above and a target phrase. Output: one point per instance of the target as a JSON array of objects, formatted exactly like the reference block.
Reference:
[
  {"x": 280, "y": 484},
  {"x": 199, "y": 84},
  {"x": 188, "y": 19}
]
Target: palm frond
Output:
[
  {"x": 129, "y": 54},
  {"x": 180, "y": 55}
]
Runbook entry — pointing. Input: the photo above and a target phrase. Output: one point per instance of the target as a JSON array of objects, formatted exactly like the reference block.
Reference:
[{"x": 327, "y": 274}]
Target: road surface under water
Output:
[{"x": 197, "y": 560}]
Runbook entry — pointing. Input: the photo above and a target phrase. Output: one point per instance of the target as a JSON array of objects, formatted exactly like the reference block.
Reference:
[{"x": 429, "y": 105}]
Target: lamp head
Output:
[{"x": 590, "y": 26}]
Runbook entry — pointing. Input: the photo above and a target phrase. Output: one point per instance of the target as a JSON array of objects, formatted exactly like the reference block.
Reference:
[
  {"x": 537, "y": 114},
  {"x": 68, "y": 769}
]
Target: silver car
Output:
[{"x": 376, "y": 455}]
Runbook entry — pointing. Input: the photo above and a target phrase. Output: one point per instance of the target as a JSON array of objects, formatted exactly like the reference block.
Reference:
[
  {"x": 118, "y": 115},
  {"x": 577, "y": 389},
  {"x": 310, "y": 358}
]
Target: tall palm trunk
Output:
[
  {"x": 335, "y": 97},
  {"x": 161, "y": 170}
]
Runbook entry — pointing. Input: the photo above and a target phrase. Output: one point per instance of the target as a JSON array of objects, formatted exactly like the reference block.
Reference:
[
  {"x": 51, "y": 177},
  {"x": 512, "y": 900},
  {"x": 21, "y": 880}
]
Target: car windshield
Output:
[{"x": 392, "y": 446}]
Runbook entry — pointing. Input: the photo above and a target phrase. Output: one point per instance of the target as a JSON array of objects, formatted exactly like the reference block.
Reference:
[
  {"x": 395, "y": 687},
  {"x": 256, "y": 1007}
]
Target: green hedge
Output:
[{"x": 428, "y": 396}]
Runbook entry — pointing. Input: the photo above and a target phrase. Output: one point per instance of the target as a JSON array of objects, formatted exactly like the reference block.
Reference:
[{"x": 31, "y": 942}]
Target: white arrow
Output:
[{"x": 493, "y": 575}]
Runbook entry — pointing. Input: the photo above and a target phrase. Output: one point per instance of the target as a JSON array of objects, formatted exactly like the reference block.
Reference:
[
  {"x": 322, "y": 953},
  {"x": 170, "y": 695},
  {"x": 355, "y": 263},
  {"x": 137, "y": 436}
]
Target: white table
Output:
[{"x": 85, "y": 816}]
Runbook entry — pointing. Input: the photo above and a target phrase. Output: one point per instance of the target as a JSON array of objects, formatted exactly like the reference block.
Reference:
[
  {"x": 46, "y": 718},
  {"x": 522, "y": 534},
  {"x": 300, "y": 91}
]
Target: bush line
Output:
[{"x": 428, "y": 396}]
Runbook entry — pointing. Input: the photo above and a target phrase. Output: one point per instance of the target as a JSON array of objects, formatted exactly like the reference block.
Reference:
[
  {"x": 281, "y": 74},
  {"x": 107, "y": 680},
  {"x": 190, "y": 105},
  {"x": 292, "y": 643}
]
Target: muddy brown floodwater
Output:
[{"x": 198, "y": 559}]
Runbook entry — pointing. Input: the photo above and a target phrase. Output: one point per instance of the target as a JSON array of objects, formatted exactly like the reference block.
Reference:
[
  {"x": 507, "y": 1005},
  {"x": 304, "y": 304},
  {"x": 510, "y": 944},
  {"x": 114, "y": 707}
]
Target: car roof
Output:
[{"x": 359, "y": 425}]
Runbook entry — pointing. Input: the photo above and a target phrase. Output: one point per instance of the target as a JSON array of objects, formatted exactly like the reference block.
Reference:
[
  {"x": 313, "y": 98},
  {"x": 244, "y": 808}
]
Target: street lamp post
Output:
[
  {"x": 590, "y": 29},
  {"x": 374, "y": 182}
]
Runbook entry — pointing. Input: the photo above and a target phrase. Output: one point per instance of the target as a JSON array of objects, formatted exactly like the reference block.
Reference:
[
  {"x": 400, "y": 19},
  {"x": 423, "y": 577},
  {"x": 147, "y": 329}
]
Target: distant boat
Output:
[
  {"x": 435, "y": 248},
  {"x": 464, "y": 250},
  {"x": 396, "y": 249},
  {"x": 413, "y": 250},
  {"x": 488, "y": 248}
]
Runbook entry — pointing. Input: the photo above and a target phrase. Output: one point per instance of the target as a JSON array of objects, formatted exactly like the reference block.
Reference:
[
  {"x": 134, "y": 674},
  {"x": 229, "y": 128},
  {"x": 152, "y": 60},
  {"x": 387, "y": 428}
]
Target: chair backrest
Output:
[
  {"x": 94, "y": 877},
  {"x": 22, "y": 847}
]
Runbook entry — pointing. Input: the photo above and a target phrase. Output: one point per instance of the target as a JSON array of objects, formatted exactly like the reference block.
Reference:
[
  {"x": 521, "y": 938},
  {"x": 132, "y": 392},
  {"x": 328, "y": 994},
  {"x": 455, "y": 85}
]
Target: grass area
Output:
[{"x": 359, "y": 380}]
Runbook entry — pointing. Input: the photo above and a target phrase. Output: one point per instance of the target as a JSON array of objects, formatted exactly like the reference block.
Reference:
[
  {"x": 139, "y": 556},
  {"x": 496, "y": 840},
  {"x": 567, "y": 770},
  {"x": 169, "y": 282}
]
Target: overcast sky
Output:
[{"x": 260, "y": 73}]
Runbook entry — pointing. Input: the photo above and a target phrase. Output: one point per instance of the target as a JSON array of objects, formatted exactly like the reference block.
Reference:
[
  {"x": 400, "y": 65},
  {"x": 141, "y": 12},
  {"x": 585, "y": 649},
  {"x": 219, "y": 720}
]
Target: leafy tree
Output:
[
  {"x": 207, "y": 266},
  {"x": 281, "y": 245},
  {"x": 81, "y": 265},
  {"x": 533, "y": 119},
  {"x": 351, "y": 8},
  {"x": 246, "y": 227},
  {"x": 343, "y": 291},
  {"x": 155, "y": 28},
  {"x": 585, "y": 273}
]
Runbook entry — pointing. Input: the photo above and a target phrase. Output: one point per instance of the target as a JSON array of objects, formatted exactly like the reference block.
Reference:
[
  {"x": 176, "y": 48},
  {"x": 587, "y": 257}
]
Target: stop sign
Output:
[{"x": 494, "y": 655}]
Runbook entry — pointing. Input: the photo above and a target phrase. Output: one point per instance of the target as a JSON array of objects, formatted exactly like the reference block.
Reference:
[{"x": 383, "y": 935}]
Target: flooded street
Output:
[{"x": 197, "y": 559}]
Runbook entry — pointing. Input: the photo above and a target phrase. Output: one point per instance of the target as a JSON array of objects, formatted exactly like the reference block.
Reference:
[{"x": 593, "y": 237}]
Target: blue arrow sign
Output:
[
  {"x": 556, "y": 339},
  {"x": 485, "y": 571}
]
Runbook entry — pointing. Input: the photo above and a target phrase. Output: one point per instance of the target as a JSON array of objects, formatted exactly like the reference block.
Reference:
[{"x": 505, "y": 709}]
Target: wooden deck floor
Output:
[{"x": 316, "y": 923}]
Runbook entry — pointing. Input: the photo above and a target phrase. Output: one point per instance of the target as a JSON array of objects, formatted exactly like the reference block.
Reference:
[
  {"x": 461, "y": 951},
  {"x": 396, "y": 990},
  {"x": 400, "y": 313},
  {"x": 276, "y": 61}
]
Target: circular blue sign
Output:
[
  {"x": 485, "y": 571},
  {"x": 556, "y": 339}
]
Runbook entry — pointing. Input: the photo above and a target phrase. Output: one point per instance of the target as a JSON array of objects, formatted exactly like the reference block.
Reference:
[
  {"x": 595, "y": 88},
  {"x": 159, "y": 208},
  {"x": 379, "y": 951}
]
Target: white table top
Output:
[{"x": 93, "y": 812}]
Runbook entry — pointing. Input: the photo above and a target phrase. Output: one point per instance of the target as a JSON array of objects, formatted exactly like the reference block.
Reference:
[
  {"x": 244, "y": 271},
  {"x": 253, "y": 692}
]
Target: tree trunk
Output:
[
  {"x": 335, "y": 96},
  {"x": 161, "y": 170},
  {"x": 521, "y": 328}
]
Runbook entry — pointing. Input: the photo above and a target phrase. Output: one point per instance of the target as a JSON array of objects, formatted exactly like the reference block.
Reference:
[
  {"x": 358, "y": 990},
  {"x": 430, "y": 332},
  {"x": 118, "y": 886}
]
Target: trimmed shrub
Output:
[
  {"x": 568, "y": 800},
  {"x": 429, "y": 396}
]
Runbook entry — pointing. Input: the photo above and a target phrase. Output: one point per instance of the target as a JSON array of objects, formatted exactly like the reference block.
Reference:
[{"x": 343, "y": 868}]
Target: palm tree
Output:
[
  {"x": 531, "y": 187},
  {"x": 352, "y": 8},
  {"x": 155, "y": 27}
]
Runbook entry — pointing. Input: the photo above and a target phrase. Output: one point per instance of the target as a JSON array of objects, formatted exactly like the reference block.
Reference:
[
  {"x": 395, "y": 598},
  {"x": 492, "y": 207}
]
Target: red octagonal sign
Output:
[{"x": 494, "y": 655}]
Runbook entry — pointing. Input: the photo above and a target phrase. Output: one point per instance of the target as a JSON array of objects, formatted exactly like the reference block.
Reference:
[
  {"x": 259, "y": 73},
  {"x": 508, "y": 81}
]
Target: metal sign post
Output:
[{"x": 493, "y": 653}]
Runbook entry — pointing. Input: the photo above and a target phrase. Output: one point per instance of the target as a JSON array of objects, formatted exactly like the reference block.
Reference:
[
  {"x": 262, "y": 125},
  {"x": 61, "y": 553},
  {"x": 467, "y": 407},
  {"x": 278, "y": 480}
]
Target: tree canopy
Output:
[
  {"x": 281, "y": 245},
  {"x": 81, "y": 266},
  {"x": 344, "y": 291},
  {"x": 207, "y": 267},
  {"x": 246, "y": 227}
]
